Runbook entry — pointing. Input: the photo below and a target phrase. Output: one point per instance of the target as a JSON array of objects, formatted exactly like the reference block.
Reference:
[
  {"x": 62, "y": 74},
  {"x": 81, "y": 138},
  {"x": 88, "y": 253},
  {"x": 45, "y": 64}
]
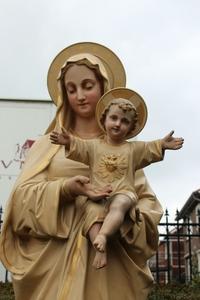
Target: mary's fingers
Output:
[
  {"x": 54, "y": 142},
  {"x": 54, "y": 133},
  {"x": 53, "y": 136},
  {"x": 63, "y": 130}
]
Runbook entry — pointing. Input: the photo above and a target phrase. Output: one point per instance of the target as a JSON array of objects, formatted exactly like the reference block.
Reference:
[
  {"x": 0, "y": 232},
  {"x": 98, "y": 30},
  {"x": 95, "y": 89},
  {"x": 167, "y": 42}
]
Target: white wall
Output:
[{"x": 20, "y": 120}]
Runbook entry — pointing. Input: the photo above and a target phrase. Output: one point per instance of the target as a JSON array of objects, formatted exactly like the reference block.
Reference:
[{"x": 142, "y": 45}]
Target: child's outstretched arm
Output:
[
  {"x": 63, "y": 138},
  {"x": 172, "y": 143}
]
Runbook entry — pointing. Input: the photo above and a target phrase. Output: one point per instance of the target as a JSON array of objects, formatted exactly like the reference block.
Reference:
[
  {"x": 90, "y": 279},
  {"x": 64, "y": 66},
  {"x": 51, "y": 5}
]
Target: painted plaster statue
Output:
[
  {"x": 114, "y": 160},
  {"x": 44, "y": 240}
]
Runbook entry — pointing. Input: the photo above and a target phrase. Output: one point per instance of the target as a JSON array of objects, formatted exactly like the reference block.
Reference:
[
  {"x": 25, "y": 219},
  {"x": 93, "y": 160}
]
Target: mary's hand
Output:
[
  {"x": 80, "y": 185},
  {"x": 96, "y": 194}
]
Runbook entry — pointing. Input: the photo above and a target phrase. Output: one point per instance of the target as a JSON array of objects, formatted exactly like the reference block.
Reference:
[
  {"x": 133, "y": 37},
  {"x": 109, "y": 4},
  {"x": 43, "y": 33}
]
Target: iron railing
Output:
[{"x": 176, "y": 259}]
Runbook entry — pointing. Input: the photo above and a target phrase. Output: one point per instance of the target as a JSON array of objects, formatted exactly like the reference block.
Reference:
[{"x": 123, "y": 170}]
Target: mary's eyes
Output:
[
  {"x": 88, "y": 86},
  {"x": 70, "y": 91}
]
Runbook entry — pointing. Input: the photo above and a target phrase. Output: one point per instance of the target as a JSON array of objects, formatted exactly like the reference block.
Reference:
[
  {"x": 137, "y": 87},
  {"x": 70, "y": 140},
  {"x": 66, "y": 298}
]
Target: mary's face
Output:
[{"x": 83, "y": 90}]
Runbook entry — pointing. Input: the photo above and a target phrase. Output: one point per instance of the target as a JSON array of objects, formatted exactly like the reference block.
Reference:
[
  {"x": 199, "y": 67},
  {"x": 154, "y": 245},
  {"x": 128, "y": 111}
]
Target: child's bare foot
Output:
[
  {"x": 100, "y": 242},
  {"x": 100, "y": 260}
]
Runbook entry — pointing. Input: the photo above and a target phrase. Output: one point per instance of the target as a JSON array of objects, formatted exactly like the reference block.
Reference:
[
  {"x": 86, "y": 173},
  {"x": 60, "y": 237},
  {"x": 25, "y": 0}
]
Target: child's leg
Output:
[
  {"x": 94, "y": 230},
  {"x": 100, "y": 259},
  {"x": 114, "y": 219},
  {"x": 95, "y": 214}
]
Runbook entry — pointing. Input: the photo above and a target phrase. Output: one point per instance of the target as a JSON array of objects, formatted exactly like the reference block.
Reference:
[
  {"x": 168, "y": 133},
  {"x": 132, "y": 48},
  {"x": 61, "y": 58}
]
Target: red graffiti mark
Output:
[{"x": 28, "y": 144}]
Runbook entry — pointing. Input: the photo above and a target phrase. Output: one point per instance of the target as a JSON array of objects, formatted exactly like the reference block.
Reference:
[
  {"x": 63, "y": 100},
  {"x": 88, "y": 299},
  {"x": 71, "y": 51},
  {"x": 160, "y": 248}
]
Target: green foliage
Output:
[
  {"x": 175, "y": 291},
  {"x": 6, "y": 291}
]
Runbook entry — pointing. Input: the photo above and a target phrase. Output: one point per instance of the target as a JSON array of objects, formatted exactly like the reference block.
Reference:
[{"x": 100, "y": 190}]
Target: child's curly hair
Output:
[{"x": 126, "y": 106}]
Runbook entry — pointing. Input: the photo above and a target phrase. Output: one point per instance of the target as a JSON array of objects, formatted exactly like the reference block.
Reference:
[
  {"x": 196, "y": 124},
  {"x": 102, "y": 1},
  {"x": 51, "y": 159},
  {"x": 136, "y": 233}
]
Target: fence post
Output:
[
  {"x": 157, "y": 268},
  {"x": 178, "y": 246},
  {"x": 189, "y": 247},
  {"x": 198, "y": 214},
  {"x": 168, "y": 250},
  {"x": 1, "y": 221}
]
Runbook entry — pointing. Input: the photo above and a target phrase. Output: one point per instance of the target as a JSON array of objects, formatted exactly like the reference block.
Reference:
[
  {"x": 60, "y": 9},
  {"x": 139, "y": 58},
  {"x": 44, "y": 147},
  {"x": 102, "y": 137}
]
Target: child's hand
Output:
[
  {"x": 62, "y": 138},
  {"x": 172, "y": 143}
]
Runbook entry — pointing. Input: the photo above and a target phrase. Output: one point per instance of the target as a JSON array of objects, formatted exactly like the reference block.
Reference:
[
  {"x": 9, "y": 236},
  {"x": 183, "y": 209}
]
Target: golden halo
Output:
[
  {"x": 111, "y": 62},
  {"x": 130, "y": 95}
]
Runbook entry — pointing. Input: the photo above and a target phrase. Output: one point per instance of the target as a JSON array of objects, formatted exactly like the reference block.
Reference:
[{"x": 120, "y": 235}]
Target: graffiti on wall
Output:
[{"x": 18, "y": 158}]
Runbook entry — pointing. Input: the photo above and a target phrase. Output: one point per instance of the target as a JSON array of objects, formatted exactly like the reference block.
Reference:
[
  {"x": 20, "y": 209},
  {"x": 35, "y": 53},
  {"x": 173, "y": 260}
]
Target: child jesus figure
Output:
[{"x": 121, "y": 114}]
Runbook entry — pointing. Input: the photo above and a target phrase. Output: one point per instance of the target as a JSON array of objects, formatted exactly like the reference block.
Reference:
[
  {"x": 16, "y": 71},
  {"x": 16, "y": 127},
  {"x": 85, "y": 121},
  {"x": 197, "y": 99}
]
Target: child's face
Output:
[{"x": 117, "y": 124}]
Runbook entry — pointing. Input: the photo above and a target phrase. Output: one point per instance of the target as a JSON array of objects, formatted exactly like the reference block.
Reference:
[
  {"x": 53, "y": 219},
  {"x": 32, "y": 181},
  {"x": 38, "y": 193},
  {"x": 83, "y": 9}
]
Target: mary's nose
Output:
[{"x": 80, "y": 95}]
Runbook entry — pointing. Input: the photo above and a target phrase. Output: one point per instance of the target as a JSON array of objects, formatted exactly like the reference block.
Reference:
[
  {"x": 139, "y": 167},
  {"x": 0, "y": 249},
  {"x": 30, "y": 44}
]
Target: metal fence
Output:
[{"x": 178, "y": 255}]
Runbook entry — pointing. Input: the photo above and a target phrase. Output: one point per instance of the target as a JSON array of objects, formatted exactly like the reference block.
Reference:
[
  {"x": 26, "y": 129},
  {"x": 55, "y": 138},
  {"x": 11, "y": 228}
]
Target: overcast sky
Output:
[{"x": 158, "y": 42}]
